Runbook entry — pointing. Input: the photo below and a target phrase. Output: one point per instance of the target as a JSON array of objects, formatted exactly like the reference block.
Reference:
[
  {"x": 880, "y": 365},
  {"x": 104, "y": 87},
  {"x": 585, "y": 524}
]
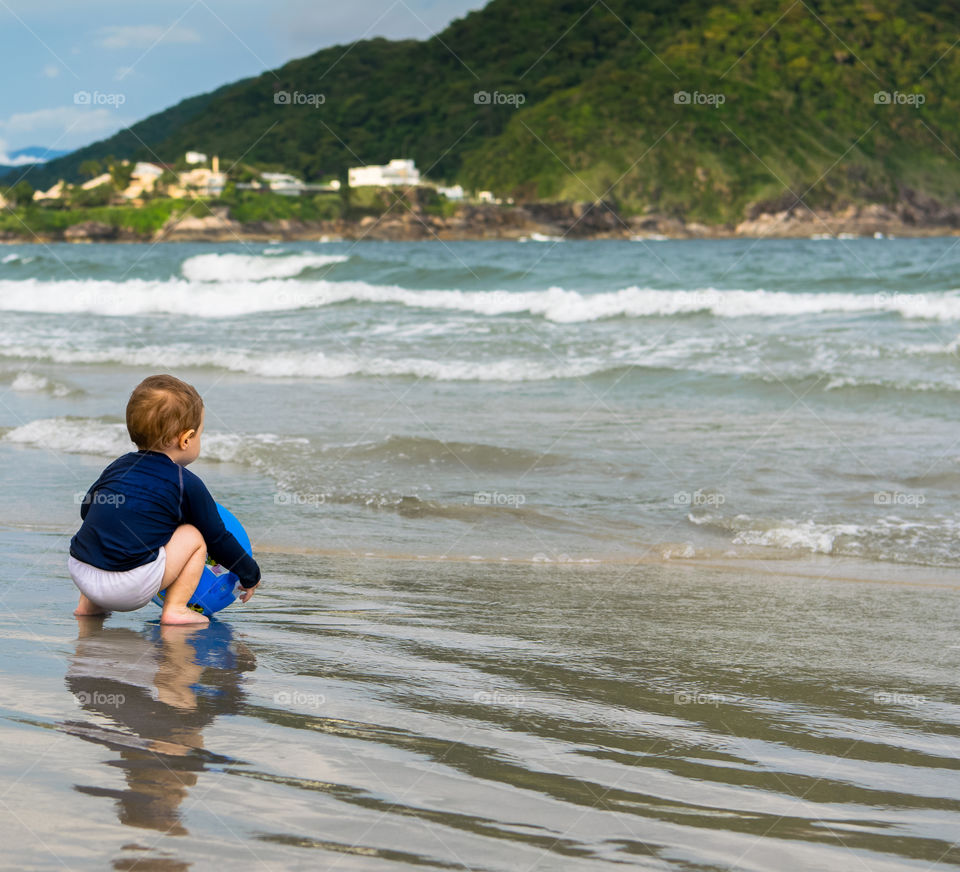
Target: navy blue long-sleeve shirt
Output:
[{"x": 132, "y": 509}]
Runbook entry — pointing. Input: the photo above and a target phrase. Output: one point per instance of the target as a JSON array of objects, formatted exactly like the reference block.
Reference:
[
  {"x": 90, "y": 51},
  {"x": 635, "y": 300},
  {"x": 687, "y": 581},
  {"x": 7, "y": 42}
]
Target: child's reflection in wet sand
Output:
[{"x": 152, "y": 692}]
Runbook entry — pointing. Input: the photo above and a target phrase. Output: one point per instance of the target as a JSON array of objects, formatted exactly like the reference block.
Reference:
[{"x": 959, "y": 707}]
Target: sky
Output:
[{"x": 76, "y": 72}]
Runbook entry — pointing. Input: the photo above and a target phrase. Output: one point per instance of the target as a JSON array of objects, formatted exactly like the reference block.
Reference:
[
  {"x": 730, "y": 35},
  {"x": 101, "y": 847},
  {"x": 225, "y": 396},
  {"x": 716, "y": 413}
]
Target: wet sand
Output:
[{"x": 378, "y": 714}]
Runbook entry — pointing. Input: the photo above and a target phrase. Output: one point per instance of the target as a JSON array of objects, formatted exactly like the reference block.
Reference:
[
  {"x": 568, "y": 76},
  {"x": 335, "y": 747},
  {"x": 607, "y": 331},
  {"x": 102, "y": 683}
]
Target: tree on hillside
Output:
[
  {"x": 98, "y": 196},
  {"x": 22, "y": 193},
  {"x": 122, "y": 173},
  {"x": 91, "y": 169}
]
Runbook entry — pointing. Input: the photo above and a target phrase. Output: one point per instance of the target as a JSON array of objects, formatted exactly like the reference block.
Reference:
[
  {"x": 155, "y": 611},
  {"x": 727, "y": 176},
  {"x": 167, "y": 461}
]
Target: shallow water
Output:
[
  {"x": 543, "y": 401},
  {"x": 381, "y": 714}
]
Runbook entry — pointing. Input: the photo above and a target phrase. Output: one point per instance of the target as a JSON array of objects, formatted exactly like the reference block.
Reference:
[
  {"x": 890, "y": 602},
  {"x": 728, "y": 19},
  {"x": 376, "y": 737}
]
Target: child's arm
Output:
[
  {"x": 87, "y": 499},
  {"x": 200, "y": 510}
]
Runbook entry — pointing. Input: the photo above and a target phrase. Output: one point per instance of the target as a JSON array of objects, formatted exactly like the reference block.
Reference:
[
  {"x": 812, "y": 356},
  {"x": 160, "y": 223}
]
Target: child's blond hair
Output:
[{"x": 160, "y": 408}]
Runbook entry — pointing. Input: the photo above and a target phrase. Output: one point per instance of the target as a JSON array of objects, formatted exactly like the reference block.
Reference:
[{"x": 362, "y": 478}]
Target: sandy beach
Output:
[{"x": 383, "y": 714}]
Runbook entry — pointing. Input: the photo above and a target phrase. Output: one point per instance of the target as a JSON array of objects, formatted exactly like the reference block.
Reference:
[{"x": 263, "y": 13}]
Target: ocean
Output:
[
  {"x": 577, "y": 554},
  {"x": 547, "y": 401}
]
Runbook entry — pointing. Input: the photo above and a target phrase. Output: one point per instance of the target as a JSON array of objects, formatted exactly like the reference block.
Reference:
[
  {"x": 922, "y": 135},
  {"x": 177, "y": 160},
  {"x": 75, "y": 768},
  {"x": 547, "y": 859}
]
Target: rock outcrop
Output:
[
  {"x": 91, "y": 231},
  {"x": 216, "y": 226}
]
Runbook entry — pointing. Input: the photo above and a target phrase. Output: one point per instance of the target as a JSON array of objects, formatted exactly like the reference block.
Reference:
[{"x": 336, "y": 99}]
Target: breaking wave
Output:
[
  {"x": 108, "y": 439},
  {"x": 930, "y": 541},
  {"x": 250, "y": 267},
  {"x": 219, "y": 288}
]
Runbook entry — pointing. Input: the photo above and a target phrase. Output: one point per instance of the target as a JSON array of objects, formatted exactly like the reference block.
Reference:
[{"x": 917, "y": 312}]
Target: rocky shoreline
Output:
[{"x": 405, "y": 222}]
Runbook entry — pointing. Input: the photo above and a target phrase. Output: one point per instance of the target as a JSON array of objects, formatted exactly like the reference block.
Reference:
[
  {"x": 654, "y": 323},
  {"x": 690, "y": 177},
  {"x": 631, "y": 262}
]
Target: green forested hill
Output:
[{"x": 599, "y": 115}]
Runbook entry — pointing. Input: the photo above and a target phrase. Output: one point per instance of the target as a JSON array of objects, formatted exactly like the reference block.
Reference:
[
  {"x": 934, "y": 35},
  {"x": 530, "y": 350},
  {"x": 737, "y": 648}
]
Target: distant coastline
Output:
[{"x": 537, "y": 221}]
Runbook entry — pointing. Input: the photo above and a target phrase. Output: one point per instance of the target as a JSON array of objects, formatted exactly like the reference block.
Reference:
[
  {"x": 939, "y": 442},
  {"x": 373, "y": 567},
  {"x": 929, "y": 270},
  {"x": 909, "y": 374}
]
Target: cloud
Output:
[
  {"x": 145, "y": 35},
  {"x": 63, "y": 127},
  {"x": 7, "y": 161},
  {"x": 51, "y": 71}
]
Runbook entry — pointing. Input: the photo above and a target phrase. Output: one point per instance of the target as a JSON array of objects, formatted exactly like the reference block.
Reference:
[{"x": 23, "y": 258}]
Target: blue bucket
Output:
[{"x": 217, "y": 586}]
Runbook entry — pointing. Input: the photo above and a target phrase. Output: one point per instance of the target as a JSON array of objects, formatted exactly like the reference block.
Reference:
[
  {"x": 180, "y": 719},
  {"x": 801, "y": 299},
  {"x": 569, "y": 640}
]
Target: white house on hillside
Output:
[
  {"x": 55, "y": 193},
  {"x": 205, "y": 182},
  {"x": 102, "y": 179},
  {"x": 398, "y": 172},
  {"x": 143, "y": 179},
  {"x": 454, "y": 192},
  {"x": 283, "y": 183},
  {"x": 144, "y": 170}
]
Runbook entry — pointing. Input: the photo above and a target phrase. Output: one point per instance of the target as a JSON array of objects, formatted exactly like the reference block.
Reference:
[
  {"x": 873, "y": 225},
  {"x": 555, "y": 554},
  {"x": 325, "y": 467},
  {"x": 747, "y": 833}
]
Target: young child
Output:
[{"x": 147, "y": 521}]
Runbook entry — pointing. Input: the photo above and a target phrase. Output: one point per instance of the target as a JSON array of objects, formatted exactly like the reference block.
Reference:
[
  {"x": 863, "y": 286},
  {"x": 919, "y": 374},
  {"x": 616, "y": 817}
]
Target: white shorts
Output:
[{"x": 119, "y": 591}]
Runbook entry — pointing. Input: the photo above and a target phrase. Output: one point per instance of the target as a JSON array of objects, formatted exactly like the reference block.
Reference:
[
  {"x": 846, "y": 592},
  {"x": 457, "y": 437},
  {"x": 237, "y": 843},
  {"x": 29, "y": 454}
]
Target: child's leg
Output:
[
  {"x": 88, "y": 608},
  {"x": 186, "y": 555}
]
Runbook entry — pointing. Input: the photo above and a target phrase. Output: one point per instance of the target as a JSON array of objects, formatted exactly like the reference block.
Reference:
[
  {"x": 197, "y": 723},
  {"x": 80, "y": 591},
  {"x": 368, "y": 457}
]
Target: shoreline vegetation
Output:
[{"x": 419, "y": 214}]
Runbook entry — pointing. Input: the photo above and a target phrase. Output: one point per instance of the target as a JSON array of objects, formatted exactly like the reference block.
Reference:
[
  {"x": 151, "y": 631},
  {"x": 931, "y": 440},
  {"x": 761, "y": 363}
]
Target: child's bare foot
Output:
[
  {"x": 182, "y": 615},
  {"x": 87, "y": 608}
]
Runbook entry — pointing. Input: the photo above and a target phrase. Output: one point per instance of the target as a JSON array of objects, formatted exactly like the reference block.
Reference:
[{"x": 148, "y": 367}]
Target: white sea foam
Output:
[
  {"x": 840, "y": 382},
  {"x": 923, "y": 349},
  {"x": 540, "y": 237},
  {"x": 902, "y": 540},
  {"x": 17, "y": 258},
  {"x": 73, "y": 436},
  {"x": 249, "y": 267},
  {"x": 227, "y": 298},
  {"x": 697, "y": 354},
  {"x": 316, "y": 364},
  {"x": 106, "y": 439},
  {"x": 171, "y": 297},
  {"x": 409, "y": 351},
  {"x": 799, "y": 535},
  {"x": 30, "y": 382}
]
